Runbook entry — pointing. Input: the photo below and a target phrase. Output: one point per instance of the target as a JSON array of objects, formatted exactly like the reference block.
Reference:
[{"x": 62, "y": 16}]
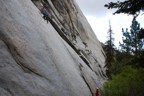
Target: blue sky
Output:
[{"x": 98, "y": 16}]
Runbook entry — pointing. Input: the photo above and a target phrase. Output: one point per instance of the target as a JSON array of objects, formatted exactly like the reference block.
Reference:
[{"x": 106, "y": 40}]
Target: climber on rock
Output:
[
  {"x": 45, "y": 14},
  {"x": 97, "y": 92}
]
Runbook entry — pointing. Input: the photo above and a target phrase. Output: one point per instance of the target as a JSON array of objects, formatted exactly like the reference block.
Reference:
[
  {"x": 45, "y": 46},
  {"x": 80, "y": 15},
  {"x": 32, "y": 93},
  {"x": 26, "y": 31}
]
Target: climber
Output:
[
  {"x": 45, "y": 14},
  {"x": 97, "y": 92}
]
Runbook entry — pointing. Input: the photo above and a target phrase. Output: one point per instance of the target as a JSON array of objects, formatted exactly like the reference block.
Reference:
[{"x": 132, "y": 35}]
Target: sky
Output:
[{"x": 98, "y": 16}]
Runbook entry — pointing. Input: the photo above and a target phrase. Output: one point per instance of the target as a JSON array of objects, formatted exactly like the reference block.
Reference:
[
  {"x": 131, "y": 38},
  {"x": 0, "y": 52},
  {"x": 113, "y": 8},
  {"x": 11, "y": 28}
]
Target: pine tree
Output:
[
  {"x": 109, "y": 48},
  {"x": 125, "y": 46},
  {"x": 133, "y": 7},
  {"x": 132, "y": 44},
  {"x": 127, "y": 6},
  {"x": 136, "y": 43}
]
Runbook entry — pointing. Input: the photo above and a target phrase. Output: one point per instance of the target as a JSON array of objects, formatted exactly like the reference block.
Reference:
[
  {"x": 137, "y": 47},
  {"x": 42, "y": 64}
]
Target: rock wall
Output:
[{"x": 60, "y": 58}]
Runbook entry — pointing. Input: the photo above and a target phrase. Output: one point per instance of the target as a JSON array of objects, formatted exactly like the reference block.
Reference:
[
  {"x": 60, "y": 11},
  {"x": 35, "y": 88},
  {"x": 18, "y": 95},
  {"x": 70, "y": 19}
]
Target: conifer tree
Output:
[
  {"x": 127, "y": 6},
  {"x": 109, "y": 48},
  {"x": 136, "y": 43},
  {"x": 131, "y": 42},
  {"x": 132, "y": 7},
  {"x": 125, "y": 46}
]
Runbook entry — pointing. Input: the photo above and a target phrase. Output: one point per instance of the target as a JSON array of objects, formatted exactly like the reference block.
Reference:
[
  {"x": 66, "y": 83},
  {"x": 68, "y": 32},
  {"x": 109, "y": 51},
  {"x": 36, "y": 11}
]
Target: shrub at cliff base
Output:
[{"x": 130, "y": 82}]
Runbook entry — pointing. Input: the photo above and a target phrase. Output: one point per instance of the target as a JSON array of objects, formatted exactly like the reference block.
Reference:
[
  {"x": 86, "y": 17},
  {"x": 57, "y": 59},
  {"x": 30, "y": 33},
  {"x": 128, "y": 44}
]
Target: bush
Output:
[{"x": 130, "y": 82}]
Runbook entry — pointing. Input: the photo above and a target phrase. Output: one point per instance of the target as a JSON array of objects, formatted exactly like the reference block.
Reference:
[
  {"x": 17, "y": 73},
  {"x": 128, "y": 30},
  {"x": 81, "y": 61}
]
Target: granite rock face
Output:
[{"x": 60, "y": 58}]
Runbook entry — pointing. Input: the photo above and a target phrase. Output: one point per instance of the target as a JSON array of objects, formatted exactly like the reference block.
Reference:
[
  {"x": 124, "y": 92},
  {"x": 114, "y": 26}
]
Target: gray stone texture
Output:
[{"x": 60, "y": 58}]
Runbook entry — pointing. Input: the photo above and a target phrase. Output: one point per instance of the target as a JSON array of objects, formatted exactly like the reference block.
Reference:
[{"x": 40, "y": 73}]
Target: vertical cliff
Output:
[{"x": 60, "y": 58}]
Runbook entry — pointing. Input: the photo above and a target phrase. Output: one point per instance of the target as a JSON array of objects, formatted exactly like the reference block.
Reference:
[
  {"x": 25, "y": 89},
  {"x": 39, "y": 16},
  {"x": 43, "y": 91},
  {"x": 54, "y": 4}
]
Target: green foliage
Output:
[
  {"x": 131, "y": 42},
  {"x": 136, "y": 43},
  {"x": 127, "y": 6},
  {"x": 125, "y": 46},
  {"x": 126, "y": 77},
  {"x": 139, "y": 61},
  {"x": 128, "y": 67},
  {"x": 128, "y": 83},
  {"x": 121, "y": 60},
  {"x": 141, "y": 34},
  {"x": 132, "y": 45}
]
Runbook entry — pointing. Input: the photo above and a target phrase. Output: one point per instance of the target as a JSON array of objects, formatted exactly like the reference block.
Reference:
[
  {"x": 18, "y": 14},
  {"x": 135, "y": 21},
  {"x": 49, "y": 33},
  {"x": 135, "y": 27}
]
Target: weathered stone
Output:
[{"x": 61, "y": 58}]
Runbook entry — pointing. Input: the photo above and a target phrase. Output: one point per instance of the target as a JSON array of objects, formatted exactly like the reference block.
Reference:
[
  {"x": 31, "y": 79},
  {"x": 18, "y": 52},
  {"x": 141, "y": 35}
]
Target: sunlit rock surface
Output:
[{"x": 60, "y": 58}]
